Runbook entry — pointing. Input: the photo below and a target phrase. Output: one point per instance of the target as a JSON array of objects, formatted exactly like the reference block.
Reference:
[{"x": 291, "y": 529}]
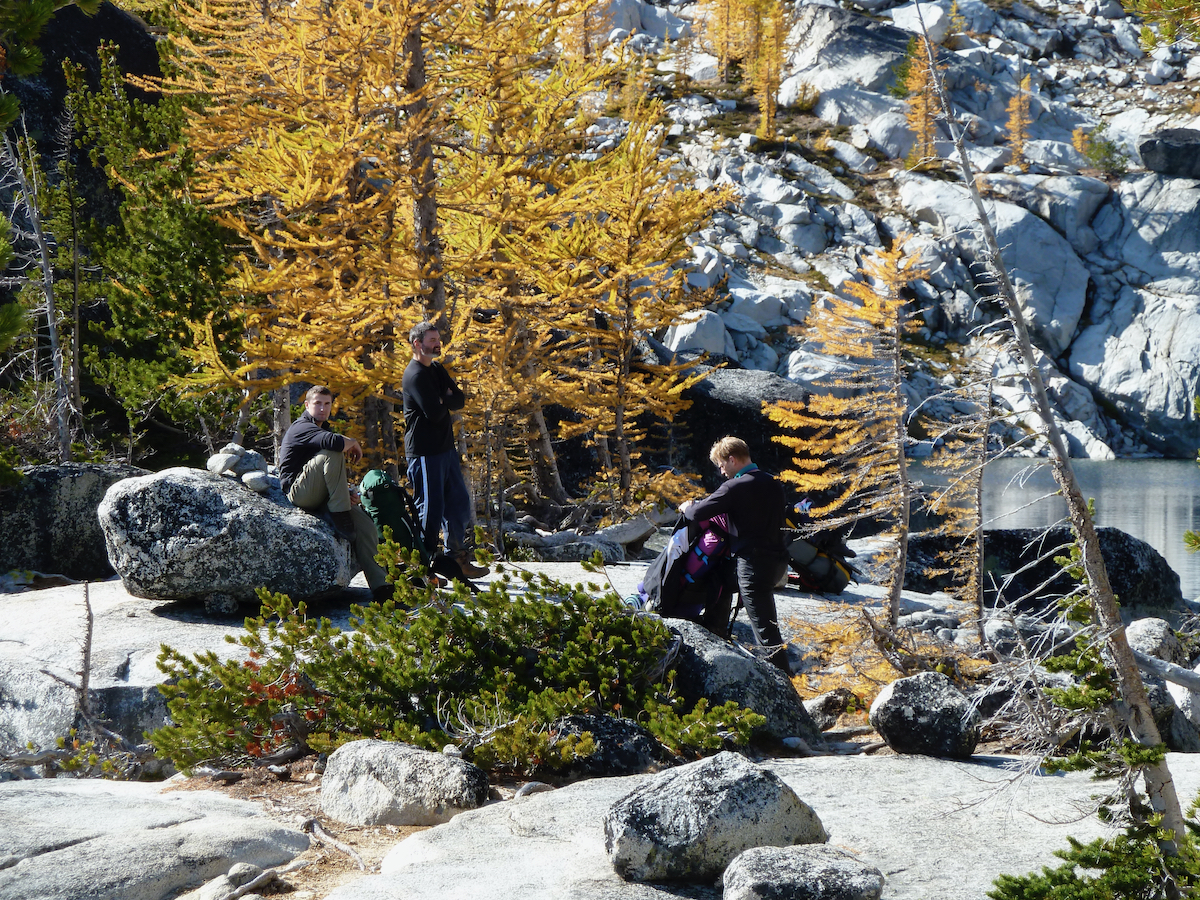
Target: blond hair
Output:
[{"x": 728, "y": 446}]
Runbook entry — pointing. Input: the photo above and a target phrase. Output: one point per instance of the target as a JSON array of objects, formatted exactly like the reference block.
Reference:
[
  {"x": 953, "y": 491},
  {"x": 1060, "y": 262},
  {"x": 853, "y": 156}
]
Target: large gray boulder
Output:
[
  {"x": 688, "y": 824},
  {"x": 1141, "y": 352},
  {"x": 1173, "y": 151},
  {"x": 1050, "y": 281},
  {"x": 41, "y": 654},
  {"x": 1140, "y": 577},
  {"x": 730, "y": 401},
  {"x": 1067, "y": 202},
  {"x": 927, "y": 715},
  {"x": 385, "y": 783},
  {"x": 933, "y": 826},
  {"x": 1155, "y": 637},
  {"x": 622, "y": 747},
  {"x": 49, "y": 522},
  {"x": 811, "y": 872},
  {"x": 90, "y": 839},
  {"x": 184, "y": 533},
  {"x": 835, "y": 48},
  {"x": 720, "y": 671}
]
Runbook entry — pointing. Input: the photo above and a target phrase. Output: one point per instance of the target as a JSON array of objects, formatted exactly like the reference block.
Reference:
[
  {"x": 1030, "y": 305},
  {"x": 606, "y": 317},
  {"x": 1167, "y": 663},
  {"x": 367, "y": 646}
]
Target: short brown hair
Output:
[
  {"x": 418, "y": 331},
  {"x": 728, "y": 446},
  {"x": 317, "y": 390}
]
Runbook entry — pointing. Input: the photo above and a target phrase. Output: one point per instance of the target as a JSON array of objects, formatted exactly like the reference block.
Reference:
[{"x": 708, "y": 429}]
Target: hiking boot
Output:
[
  {"x": 343, "y": 525},
  {"x": 466, "y": 562}
]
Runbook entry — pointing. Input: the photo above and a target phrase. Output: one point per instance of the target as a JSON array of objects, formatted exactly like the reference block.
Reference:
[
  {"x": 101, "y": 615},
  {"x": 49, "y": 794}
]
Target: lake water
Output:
[{"x": 1156, "y": 500}]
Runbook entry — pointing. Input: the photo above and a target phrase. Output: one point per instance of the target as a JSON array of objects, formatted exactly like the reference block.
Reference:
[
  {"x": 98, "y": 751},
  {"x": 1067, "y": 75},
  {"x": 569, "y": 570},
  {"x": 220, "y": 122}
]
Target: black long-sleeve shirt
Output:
[
  {"x": 430, "y": 395},
  {"x": 304, "y": 439},
  {"x": 753, "y": 500}
]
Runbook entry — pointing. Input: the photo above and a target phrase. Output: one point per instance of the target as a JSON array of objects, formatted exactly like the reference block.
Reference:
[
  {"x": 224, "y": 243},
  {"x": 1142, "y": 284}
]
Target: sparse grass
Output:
[{"x": 842, "y": 653}]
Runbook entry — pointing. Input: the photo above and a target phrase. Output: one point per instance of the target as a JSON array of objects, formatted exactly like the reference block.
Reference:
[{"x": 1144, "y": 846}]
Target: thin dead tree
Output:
[
  {"x": 18, "y": 173},
  {"x": 1135, "y": 707}
]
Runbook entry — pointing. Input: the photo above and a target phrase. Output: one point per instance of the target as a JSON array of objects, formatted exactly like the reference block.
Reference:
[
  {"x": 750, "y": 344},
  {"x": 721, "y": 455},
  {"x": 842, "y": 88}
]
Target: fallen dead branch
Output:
[{"x": 313, "y": 827}]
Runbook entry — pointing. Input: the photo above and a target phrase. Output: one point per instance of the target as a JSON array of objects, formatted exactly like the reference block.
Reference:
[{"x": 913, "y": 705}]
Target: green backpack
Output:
[{"x": 388, "y": 504}]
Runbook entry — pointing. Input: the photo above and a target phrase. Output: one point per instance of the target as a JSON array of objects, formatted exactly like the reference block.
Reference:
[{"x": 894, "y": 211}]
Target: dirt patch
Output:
[{"x": 295, "y": 800}]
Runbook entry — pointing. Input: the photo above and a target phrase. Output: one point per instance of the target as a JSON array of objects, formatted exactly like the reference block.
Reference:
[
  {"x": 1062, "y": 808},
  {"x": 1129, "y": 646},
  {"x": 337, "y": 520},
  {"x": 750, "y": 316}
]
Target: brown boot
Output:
[{"x": 466, "y": 562}]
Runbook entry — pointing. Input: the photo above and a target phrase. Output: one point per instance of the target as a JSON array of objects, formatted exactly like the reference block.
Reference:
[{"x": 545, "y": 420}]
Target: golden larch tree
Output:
[
  {"x": 848, "y": 443},
  {"x": 618, "y": 265},
  {"x": 1018, "y": 124},
  {"x": 313, "y": 146},
  {"x": 923, "y": 110}
]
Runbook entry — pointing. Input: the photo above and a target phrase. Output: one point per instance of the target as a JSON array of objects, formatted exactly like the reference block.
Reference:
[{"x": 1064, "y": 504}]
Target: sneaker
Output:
[{"x": 466, "y": 562}]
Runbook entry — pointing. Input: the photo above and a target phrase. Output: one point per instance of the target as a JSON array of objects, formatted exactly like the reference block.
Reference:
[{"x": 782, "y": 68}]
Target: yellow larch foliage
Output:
[
  {"x": 768, "y": 62},
  {"x": 615, "y": 270},
  {"x": 923, "y": 109},
  {"x": 724, "y": 29},
  {"x": 1018, "y": 123},
  {"x": 304, "y": 146},
  {"x": 848, "y": 439},
  {"x": 1080, "y": 140},
  {"x": 753, "y": 33}
]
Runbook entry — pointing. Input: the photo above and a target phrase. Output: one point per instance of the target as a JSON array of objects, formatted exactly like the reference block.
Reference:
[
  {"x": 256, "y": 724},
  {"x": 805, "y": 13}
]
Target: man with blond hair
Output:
[
  {"x": 753, "y": 501},
  {"x": 312, "y": 472}
]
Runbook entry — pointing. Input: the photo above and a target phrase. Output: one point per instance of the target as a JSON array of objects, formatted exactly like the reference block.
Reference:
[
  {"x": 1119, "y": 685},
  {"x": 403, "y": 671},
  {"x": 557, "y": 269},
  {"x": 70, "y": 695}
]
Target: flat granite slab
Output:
[
  {"x": 937, "y": 829},
  {"x": 85, "y": 839}
]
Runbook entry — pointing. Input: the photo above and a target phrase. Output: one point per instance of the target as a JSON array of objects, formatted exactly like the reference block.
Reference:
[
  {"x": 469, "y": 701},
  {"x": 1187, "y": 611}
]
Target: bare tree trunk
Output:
[
  {"x": 980, "y": 462},
  {"x": 554, "y": 485},
  {"x": 425, "y": 207},
  {"x": 20, "y": 164},
  {"x": 76, "y": 339},
  {"x": 281, "y": 419},
  {"x": 903, "y": 487},
  {"x": 1160, "y": 787},
  {"x": 243, "y": 417}
]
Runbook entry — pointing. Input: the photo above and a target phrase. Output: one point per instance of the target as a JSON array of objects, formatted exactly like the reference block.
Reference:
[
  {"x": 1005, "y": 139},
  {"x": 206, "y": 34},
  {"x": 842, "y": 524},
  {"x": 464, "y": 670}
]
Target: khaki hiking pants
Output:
[{"x": 322, "y": 482}]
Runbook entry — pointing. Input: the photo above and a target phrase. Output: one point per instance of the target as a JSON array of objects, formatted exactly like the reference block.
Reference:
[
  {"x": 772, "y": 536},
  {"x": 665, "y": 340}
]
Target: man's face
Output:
[
  {"x": 319, "y": 406},
  {"x": 430, "y": 344},
  {"x": 729, "y": 466}
]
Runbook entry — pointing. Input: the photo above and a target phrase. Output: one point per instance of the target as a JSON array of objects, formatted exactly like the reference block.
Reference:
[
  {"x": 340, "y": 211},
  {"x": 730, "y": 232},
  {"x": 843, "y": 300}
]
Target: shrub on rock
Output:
[
  {"x": 372, "y": 782},
  {"x": 710, "y": 667},
  {"x": 687, "y": 824},
  {"x": 493, "y": 673},
  {"x": 927, "y": 715},
  {"x": 801, "y": 873}
]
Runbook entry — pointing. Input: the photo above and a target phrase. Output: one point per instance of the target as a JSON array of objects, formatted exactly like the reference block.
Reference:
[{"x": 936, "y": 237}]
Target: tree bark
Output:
[
  {"x": 282, "y": 415},
  {"x": 27, "y": 190},
  {"x": 424, "y": 179}
]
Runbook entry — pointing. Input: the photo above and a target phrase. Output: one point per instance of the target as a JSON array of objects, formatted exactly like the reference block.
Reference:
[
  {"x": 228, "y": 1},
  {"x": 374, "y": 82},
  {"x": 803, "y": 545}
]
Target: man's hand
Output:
[
  {"x": 352, "y": 449},
  {"x": 686, "y": 505}
]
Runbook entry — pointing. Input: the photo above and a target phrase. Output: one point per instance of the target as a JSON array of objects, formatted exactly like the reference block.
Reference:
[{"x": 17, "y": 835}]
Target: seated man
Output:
[
  {"x": 312, "y": 472},
  {"x": 753, "y": 501}
]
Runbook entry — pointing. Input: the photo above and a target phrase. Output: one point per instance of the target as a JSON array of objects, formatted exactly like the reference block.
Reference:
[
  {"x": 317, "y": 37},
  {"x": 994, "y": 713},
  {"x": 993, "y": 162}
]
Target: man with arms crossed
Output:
[
  {"x": 312, "y": 472},
  {"x": 753, "y": 500},
  {"x": 434, "y": 469}
]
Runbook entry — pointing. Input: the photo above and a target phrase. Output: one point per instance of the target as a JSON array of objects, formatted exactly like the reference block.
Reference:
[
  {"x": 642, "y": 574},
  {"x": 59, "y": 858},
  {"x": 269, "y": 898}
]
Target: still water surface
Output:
[{"x": 1156, "y": 500}]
